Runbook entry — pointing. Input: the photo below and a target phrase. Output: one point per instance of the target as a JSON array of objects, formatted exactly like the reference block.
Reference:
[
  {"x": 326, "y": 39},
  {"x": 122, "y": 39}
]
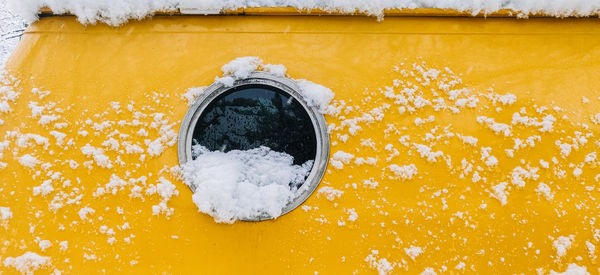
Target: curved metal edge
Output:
[{"x": 186, "y": 131}]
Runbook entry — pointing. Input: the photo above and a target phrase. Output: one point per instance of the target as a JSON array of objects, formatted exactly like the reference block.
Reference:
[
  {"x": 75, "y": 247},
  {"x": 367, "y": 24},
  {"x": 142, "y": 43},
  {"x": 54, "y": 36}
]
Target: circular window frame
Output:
[{"x": 186, "y": 131}]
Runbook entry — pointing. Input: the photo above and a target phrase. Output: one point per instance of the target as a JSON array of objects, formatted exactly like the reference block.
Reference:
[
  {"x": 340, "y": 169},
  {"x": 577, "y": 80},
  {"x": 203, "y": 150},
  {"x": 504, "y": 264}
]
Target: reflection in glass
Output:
[{"x": 251, "y": 116}]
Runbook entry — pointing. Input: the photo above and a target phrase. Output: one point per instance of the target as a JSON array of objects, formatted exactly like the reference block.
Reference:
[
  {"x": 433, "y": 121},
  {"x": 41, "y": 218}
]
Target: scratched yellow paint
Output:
[{"x": 544, "y": 62}]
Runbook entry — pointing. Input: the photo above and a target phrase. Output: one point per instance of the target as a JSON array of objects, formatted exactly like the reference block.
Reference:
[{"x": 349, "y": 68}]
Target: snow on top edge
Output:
[{"x": 116, "y": 12}]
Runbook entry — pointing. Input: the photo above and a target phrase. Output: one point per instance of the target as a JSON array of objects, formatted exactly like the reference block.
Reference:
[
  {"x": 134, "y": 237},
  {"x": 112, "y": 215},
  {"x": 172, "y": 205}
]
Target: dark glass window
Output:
[{"x": 250, "y": 116}]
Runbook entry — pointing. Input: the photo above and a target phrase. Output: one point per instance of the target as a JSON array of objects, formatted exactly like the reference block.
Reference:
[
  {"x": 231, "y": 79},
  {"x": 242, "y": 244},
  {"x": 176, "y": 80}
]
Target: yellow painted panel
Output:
[{"x": 146, "y": 66}]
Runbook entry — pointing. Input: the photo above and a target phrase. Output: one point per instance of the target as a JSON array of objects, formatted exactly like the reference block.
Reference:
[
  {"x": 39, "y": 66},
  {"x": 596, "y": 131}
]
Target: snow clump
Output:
[
  {"x": 340, "y": 158},
  {"x": 405, "y": 172},
  {"x": 28, "y": 160},
  {"x": 27, "y": 263},
  {"x": 329, "y": 193},
  {"x": 572, "y": 269},
  {"x": 239, "y": 68},
  {"x": 243, "y": 185},
  {"x": 5, "y": 215},
  {"x": 314, "y": 94},
  {"x": 561, "y": 245},
  {"x": 413, "y": 252},
  {"x": 382, "y": 265}
]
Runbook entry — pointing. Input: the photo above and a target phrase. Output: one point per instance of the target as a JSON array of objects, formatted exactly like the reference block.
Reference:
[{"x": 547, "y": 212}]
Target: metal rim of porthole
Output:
[{"x": 184, "y": 143}]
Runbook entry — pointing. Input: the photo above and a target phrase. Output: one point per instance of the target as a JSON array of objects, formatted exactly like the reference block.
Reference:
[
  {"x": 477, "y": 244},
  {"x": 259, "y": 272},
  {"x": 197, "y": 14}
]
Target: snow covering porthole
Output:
[{"x": 254, "y": 150}]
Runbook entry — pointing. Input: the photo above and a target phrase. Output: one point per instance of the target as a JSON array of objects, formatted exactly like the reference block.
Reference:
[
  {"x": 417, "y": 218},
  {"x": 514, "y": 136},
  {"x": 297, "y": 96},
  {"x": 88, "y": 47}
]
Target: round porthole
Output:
[{"x": 261, "y": 122}]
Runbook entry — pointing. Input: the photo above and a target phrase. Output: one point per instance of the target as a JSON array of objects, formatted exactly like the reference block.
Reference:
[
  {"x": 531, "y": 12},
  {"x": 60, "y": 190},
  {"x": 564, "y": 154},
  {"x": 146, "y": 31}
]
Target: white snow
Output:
[
  {"x": 487, "y": 157},
  {"x": 115, "y": 183},
  {"x": 132, "y": 148},
  {"x": 329, "y": 193},
  {"x": 44, "y": 189},
  {"x": 498, "y": 128},
  {"x": 590, "y": 158},
  {"x": 243, "y": 184},
  {"x": 60, "y": 137},
  {"x": 64, "y": 245},
  {"x": 413, "y": 252},
  {"x": 544, "y": 190},
  {"x": 83, "y": 212},
  {"x": 519, "y": 175},
  {"x": 370, "y": 183},
  {"x": 5, "y": 214},
  {"x": 111, "y": 144},
  {"x": 98, "y": 155},
  {"x": 191, "y": 94},
  {"x": 340, "y": 158},
  {"x": 116, "y": 12},
  {"x": 591, "y": 249},
  {"x": 565, "y": 148},
  {"x": 595, "y": 118},
  {"x": 73, "y": 164},
  {"x": 155, "y": 147},
  {"x": 369, "y": 161},
  {"x": 428, "y": 271},
  {"x": 572, "y": 269},
  {"x": 44, "y": 244},
  {"x": 577, "y": 172},
  {"x": 545, "y": 125},
  {"x": 27, "y": 263},
  {"x": 382, "y": 265},
  {"x": 404, "y": 172},
  {"x": 468, "y": 140},
  {"x": 28, "y": 160},
  {"x": 275, "y": 69},
  {"x": 11, "y": 28},
  {"x": 561, "y": 245},
  {"x": 427, "y": 153},
  {"x": 25, "y": 140},
  {"x": 491, "y": 161},
  {"x": 46, "y": 119},
  {"x": 507, "y": 99},
  {"x": 499, "y": 192},
  {"x": 352, "y": 215},
  {"x": 166, "y": 190},
  {"x": 315, "y": 94},
  {"x": 239, "y": 68}
]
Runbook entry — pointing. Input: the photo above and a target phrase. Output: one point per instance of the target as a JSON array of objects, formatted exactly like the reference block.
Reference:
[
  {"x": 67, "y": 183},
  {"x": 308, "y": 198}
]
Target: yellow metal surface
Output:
[{"x": 146, "y": 66}]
